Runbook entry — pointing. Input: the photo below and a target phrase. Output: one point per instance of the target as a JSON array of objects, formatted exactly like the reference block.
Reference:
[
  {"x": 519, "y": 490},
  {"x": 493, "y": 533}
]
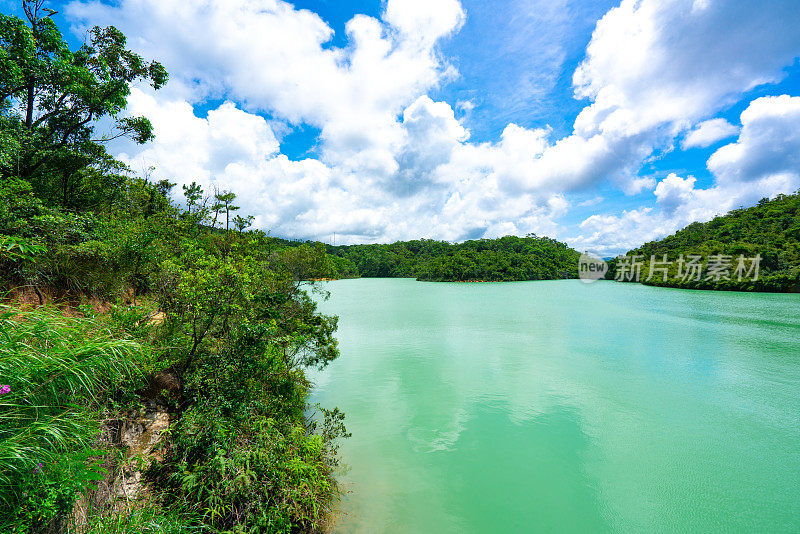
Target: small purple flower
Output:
[
  {"x": 5, "y": 388},
  {"x": 38, "y": 467}
]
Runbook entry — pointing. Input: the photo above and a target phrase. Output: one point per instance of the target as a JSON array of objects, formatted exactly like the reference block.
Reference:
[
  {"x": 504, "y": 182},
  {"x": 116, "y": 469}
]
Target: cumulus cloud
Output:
[
  {"x": 768, "y": 147},
  {"x": 310, "y": 199},
  {"x": 654, "y": 68},
  {"x": 763, "y": 162},
  {"x": 652, "y": 62},
  {"x": 432, "y": 133},
  {"x": 393, "y": 163},
  {"x": 272, "y": 57},
  {"x": 709, "y": 132}
]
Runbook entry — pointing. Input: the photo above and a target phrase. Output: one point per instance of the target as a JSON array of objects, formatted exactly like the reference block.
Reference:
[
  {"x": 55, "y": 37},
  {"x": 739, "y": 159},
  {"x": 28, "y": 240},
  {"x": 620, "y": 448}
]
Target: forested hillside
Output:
[
  {"x": 151, "y": 356},
  {"x": 770, "y": 230},
  {"x": 503, "y": 259}
]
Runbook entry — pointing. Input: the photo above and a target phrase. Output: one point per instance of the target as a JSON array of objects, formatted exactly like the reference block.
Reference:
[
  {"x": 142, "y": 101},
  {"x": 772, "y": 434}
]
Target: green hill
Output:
[
  {"x": 769, "y": 230},
  {"x": 506, "y": 258}
]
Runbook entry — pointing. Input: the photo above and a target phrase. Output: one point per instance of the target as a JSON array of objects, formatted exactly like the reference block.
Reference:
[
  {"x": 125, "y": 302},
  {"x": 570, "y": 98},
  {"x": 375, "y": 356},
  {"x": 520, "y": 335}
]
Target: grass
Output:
[{"x": 55, "y": 374}]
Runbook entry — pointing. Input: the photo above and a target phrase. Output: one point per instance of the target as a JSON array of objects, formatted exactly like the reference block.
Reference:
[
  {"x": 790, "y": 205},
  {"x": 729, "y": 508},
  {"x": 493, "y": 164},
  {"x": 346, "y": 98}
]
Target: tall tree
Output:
[
  {"x": 218, "y": 206},
  {"x": 225, "y": 199},
  {"x": 193, "y": 194},
  {"x": 51, "y": 97}
]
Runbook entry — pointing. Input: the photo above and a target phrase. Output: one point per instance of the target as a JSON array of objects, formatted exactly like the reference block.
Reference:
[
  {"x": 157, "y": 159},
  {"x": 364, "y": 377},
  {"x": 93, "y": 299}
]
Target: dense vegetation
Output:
[
  {"x": 771, "y": 230},
  {"x": 142, "y": 305},
  {"x": 144, "y": 308},
  {"x": 147, "y": 306},
  {"x": 503, "y": 259}
]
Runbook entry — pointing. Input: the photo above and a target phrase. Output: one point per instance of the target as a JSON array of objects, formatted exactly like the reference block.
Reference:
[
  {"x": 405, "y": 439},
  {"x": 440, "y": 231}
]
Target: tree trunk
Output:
[{"x": 29, "y": 110}]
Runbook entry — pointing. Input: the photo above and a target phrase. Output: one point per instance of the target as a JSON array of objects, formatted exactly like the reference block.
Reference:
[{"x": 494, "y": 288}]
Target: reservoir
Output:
[{"x": 557, "y": 406}]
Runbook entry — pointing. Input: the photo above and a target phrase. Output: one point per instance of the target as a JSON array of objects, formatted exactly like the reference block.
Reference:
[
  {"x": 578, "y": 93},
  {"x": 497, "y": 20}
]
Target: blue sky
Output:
[{"x": 604, "y": 124}]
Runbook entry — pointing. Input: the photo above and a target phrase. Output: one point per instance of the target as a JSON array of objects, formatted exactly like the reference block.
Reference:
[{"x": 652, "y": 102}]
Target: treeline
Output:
[
  {"x": 503, "y": 259},
  {"x": 769, "y": 231},
  {"x": 148, "y": 306}
]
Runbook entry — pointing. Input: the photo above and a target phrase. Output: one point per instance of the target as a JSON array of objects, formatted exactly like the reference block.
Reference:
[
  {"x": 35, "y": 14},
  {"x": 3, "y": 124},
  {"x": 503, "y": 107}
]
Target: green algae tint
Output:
[{"x": 564, "y": 407}]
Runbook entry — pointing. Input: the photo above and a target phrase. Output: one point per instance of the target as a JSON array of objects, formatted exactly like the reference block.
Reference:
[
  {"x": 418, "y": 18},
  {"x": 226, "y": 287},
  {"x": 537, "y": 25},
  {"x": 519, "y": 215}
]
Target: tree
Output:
[
  {"x": 242, "y": 223},
  {"x": 193, "y": 194},
  {"x": 225, "y": 201},
  {"x": 51, "y": 97}
]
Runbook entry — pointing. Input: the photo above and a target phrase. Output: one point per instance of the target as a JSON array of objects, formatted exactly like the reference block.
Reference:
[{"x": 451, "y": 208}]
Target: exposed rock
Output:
[
  {"x": 140, "y": 439},
  {"x": 137, "y": 440}
]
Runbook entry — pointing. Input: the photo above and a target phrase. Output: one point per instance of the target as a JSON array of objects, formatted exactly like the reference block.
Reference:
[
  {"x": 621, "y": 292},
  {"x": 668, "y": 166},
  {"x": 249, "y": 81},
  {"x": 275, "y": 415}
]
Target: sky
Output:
[{"x": 603, "y": 124}]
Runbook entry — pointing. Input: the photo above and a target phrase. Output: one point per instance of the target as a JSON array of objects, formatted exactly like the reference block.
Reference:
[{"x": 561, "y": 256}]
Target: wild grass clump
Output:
[
  {"x": 55, "y": 372},
  {"x": 145, "y": 518}
]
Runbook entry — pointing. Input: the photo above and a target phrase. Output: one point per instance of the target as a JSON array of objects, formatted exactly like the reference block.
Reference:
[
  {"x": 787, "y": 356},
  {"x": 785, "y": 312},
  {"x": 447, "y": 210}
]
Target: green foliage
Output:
[
  {"x": 502, "y": 259},
  {"x": 50, "y": 490},
  {"x": 194, "y": 194},
  {"x": 149, "y": 518},
  {"x": 50, "y": 98},
  {"x": 771, "y": 229},
  {"x": 242, "y": 223},
  {"x": 241, "y": 330},
  {"x": 223, "y": 202},
  {"x": 225, "y": 312},
  {"x": 244, "y": 456},
  {"x": 238, "y": 328},
  {"x": 19, "y": 207},
  {"x": 308, "y": 261},
  {"x": 100, "y": 253},
  {"x": 55, "y": 373},
  {"x": 19, "y": 249}
]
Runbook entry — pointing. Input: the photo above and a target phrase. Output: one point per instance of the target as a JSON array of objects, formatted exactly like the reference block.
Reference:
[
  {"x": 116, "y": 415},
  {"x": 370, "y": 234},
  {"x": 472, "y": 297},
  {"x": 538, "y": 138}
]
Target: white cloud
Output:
[
  {"x": 652, "y": 61},
  {"x": 237, "y": 150},
  {"x": 709, "y": 132},
  {"x": 432, "y": 133},
  {"x": 424, "y": 21},
  {"x": 272, "y": 57},
  {"x": 591, "y": 201},
  {"x": 465, "y": 106},
  {"x": 396, "y": 164},
  {"x": 763, "y": 162},
  {"x": 654, "y": 68},
  {"x": 768, "y": 146}
]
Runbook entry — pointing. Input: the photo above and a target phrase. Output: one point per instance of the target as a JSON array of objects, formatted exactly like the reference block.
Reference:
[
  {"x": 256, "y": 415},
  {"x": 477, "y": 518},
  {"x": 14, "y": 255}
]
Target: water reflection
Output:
[{"x": 564, "y": 407}]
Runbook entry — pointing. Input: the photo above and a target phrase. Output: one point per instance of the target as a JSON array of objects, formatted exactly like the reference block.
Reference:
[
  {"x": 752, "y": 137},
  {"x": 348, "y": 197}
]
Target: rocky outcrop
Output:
[
  {"x": 133, "y": 444},
  {"x": 140, "y": 440}
]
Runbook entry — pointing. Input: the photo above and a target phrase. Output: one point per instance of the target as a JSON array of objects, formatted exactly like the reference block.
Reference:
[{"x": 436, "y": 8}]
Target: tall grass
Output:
[
  {"x": 144, "y": 518},
  {"x": 55, "y": 372}
]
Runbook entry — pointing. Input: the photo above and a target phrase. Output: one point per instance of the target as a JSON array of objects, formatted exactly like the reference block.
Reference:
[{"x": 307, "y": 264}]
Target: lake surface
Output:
[{"x": 564, "y": 407}]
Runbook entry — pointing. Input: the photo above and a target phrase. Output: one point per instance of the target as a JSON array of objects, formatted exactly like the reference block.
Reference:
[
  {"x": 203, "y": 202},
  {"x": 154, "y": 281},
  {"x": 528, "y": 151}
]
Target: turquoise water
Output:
[{"x": 564, "y": 407}]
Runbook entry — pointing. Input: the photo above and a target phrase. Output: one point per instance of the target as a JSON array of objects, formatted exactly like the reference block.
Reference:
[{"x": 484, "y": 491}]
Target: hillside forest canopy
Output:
[{"x": 770, "y": 230}]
